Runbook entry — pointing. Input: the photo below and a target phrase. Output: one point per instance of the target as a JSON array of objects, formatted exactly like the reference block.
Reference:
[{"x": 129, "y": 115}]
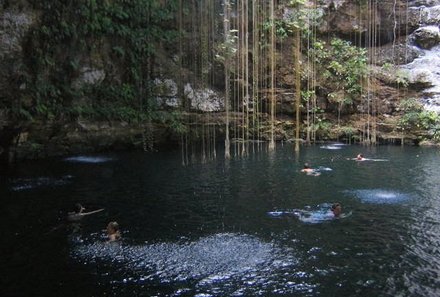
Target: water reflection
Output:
[
  {"x": 21, "y": 184},
  {"x": 240, "y": 227},
  {"x": 88, "y": 159},
  {"x": 379, "y": 196}
]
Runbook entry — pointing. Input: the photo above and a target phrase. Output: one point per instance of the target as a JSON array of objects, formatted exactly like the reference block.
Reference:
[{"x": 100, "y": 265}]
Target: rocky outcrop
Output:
[
  {"x": 201, "y": 99},
  {"x": 396, "y": 32},
  {"x": 426, "y": 37},
  {"x": 423, "y": 14},
  {"x": 399, "y": 53},
  {"x": 355, "y": 20}
]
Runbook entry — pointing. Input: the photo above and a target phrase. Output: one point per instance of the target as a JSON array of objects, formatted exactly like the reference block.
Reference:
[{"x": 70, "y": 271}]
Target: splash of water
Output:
[{"x": 319, "y": 214}]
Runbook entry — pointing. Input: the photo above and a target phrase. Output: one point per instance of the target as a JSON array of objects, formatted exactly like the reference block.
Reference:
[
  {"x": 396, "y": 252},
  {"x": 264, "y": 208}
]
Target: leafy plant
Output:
[
  {"x": 416, "y": 119},
  {"x": 344, "y": 68},
  {"x": 127, "y": 33}
]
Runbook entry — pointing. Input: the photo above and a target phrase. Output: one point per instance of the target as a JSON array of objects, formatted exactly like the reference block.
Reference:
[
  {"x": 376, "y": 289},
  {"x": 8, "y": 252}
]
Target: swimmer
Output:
[
  {"x": 79, "y": 213},
  {"x": 360, "y": 157},
  {"x": 309, "y": 170},
  {"x": 113, "y": 231},
  {"x": 336, "y": 209}
]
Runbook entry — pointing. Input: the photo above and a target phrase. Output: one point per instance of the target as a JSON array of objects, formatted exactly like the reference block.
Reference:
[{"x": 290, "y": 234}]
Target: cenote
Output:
[{"x": 225, "y": 228}]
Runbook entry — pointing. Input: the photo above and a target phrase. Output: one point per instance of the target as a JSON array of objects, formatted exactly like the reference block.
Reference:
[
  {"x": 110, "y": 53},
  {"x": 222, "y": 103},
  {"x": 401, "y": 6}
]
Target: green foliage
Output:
[
  {"x": 387, "y": 67},
  {"x": 174, "y": 120},
  {"x": 322, "y": 128},
  {"x": 228, "y": 48},
  {"x": 417, "y": 120},
  {"x": 307, "y": 95},
  {"x": 111, "y": 33},
  {"x": 301, "y": 18},
  {"x": 344, "y": 67},
  {"x": 295, "y": 3},
  {"x": 399, "y": 76},
  {"x": 402, "y": 78}
]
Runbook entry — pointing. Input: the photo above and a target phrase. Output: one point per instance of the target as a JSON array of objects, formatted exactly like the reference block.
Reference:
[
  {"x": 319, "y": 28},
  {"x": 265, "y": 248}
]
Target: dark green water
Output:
[{"x": 225, "y": 228}]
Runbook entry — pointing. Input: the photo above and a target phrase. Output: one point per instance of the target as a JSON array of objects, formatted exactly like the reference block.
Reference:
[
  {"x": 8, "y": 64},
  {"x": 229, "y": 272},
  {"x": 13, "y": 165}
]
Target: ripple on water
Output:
[
  {"x": 220, "y": 264},
  {"x": 316, "y": 215},
  {"x": 23, "y": 184},
  {"x": 379, "y": 196}
]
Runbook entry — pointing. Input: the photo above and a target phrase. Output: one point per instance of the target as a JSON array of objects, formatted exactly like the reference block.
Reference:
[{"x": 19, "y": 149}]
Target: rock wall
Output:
[{"x": 408, "y": 36}]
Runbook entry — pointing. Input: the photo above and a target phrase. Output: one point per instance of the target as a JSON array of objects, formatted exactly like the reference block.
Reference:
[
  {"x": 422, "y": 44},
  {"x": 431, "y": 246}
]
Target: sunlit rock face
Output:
[
  {"x": 88, "y": 76},
  {"x": 352, "y": 18},
  {"x": 401, "y": 52},
  {"x": 424, "y": 2},
  {"x": 426, "y": 37},
  {"x": 13, "y": 27},
  {"x": 421, "y": 15},
  {"x": 423, "y": 18},
  {"x": 202, "y": 99},
  {"x": 423, "y": 73}
]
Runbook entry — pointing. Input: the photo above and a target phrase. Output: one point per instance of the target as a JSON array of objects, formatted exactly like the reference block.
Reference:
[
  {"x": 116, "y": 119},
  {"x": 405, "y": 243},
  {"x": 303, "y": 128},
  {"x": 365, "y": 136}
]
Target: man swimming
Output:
[
  {"x": 360, "y": 157},
  {"x": 309, "y": 170},
  {"x": 78, "y": 213},
  {"x": 336, "y": 209}
]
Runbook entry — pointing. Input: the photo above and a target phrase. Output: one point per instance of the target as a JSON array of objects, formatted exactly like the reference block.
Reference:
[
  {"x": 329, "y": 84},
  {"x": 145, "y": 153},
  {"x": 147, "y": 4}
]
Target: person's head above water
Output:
[
  {"x": 336, "y": 209},
  {"x": 79, "y": 208},
  {"x": 307, "y": 166},
  {"x": 359, "y": 156},
  {"x": 113, "y": 231}
]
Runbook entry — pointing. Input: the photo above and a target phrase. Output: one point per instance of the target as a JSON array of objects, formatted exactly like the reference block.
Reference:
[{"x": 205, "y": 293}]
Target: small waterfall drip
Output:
[{"x": 426, "y": 70}]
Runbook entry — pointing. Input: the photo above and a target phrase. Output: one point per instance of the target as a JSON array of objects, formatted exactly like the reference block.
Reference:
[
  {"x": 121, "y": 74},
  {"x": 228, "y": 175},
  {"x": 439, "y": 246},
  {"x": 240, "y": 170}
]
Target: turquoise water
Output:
[{"x": 251, "y": 226}]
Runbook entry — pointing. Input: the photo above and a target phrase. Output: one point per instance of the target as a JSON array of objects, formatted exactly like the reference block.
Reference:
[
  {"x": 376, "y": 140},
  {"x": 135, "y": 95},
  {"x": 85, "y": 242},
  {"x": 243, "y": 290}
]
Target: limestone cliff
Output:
[{"x": 404, "y": 34}]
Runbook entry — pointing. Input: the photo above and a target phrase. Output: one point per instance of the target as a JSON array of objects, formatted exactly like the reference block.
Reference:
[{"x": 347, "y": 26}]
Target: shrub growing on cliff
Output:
[
  {"x": 342, "y": 67},
  {"x": 416, "y": 119}
]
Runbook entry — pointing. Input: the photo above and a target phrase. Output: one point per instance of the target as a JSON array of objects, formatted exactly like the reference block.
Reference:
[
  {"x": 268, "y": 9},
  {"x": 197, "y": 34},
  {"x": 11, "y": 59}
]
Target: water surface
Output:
[{"x": 226, "y": 228}]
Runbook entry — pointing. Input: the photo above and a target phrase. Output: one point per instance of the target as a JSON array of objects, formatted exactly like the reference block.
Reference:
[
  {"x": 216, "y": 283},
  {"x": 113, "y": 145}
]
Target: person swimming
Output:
[
  {"x": 336, "y": 209},
  {"x": 113, "y": 232},
  {"x": 79, "y": 213},
  {"x": 309, "y": 170},
  {"x": 360, "y": 157}
]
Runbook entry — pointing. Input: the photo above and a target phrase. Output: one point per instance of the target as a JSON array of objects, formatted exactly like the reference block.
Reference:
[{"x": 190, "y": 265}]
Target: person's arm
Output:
[{"x": 91, "y": 212}]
